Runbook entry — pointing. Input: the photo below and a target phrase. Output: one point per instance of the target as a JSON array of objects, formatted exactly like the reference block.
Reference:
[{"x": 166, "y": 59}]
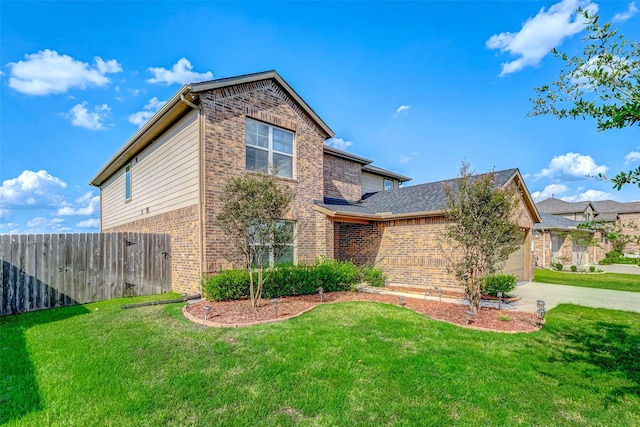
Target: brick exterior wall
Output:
[
  {"x": 183, "y": 226},
  {"x": 225, "y": 111},
  {"x": 630, "y": 223},
  {"x": 410, "y": 251},
  {"x": 543, "y": 249},
  {"x": 341, "y": 178}
]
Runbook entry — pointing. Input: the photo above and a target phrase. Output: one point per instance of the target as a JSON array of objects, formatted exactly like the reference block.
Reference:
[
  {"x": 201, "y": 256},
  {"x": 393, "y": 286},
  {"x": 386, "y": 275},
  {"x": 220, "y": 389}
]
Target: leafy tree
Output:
[
  {"x": 581, "y": 240},
  {"x": 251, "y": 216},
  {"x": 481, "y": 231},
  {"x": 603, "y": 83}
]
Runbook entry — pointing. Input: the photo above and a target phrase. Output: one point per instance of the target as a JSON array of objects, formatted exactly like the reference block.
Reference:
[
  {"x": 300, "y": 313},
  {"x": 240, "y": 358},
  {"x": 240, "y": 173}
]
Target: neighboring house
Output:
[
  {"x": 168, "y": 177},
  {"x": 552, "y": 244}
]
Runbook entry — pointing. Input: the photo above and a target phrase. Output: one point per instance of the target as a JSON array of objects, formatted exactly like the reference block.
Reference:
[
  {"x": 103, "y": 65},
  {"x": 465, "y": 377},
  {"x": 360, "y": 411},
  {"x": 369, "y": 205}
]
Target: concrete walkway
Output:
[
  {"x": 553, "y": 295},
  {"x": 620, "y": 268}
]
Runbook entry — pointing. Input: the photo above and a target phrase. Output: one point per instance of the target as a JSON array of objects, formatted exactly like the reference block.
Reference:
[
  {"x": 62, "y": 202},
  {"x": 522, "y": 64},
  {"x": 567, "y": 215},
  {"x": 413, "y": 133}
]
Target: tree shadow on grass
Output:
[
  {"x": 19, "y": 392},
  {"x": 608, "y": 347}
]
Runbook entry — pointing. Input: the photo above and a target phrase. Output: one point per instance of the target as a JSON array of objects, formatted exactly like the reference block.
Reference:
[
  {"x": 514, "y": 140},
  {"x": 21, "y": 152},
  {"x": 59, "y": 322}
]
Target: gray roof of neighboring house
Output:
[
  {"x": 421, "y": 198},
  {"x": 606, "y": 210},
  {"x": 607, "y": 217},
  {"x": 555, "y": 222}
]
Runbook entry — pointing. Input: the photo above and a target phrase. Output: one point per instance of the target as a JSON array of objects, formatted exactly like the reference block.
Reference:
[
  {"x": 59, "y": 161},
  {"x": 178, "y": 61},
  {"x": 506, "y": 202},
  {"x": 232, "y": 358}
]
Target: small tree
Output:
[
  {"x": 581, "y": 240},
  {"x": 252, "y": 218},
  {"x": 481, "y": 232}
]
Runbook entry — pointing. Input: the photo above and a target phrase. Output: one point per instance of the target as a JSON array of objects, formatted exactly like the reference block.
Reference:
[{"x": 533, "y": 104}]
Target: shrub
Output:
[
  {"x": 226, "y": 285},
  {"x": 284, "y": 280},
  {"x": 606, "y": 261},
  {"x": 592, "y": 269},
  {"x": 499, "y": 282},
  {"x": 613, "y": 254},
  {"x": 558, "y": 266},
  {"x": 574, "y": 268},
  {"x": 373, "y": 276}
]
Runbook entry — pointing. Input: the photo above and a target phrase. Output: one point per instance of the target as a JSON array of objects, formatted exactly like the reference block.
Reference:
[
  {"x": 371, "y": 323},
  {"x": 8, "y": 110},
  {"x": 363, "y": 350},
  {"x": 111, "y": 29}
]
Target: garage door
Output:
[{"x": 515, "y": 263}]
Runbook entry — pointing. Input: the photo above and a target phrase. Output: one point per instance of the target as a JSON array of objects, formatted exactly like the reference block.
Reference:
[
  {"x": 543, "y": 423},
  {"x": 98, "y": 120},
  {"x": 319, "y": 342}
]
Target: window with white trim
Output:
[
  {"x": 269, "y": 149},
  {"x": 388, "y": 184},
  {"x": 127, "y": 182}
]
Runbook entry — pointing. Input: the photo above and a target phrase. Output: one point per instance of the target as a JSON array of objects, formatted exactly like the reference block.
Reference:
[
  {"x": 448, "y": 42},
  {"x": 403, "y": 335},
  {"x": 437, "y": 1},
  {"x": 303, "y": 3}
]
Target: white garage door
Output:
[{"x": 515, "y": 264}]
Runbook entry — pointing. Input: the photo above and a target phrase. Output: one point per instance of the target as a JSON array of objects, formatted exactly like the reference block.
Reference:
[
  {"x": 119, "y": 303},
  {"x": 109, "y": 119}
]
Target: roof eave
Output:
[{"x": 166, "y": 116}]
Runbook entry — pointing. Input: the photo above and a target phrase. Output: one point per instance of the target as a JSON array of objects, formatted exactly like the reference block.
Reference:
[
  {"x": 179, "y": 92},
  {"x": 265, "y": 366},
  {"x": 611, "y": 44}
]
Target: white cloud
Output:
[
  {"x": 551, "y": 190},
  {"x": 541, "y": 33},
  {"x": 31, "y": 188},
  {"x": 47, "y": 72},
  {"x": 403, "y": 108},
  {"x": 338, "y": 143},
  {"x": 89, "y": 223},
  {"x": 147, "y": 112},
  {"x": 631, "y": 11},
  {"x": 571, "y": 166},
  {"x": 88, "y": 204},
  {"x": 632, "y": 157},
  {"x": 405, "y": 159},
  {"x": 589, "y": 195},
  {"x": 44, "y": 225},
  {"x": 92, "y": 120},
  {"x": 180, "y": 73}
]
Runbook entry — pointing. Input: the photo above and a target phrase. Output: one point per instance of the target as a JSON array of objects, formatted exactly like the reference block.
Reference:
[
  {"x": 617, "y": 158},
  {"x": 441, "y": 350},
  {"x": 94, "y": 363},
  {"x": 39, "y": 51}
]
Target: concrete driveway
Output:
[{"x": 553, "y": 295}]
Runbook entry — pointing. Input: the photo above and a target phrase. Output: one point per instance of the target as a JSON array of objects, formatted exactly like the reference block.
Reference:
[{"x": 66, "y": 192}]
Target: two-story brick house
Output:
[
  {"x": 167, "y": 179},
  {"x": 553, "y": 244}
]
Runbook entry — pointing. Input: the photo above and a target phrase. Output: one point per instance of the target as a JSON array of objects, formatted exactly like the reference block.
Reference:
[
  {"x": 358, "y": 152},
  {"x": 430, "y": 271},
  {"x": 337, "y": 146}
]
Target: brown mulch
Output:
[{"x": 240, "y": 313}]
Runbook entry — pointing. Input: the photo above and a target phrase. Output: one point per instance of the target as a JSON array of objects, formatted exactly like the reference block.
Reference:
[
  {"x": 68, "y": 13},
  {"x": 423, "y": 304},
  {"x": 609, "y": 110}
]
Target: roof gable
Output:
[{"x": 264, "y": 75}]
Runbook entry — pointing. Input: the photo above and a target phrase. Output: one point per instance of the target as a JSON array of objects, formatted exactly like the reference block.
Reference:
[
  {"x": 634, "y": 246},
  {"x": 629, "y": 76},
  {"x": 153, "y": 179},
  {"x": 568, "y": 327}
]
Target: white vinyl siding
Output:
[
  {"x": 371, "y": 183},
  {"x": 164, "y": 177}
]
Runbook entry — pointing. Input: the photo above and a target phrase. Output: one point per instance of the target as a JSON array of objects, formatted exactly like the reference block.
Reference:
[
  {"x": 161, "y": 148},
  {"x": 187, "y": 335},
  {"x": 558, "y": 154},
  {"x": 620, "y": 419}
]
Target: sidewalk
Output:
[{"x": 553, "y": 295}]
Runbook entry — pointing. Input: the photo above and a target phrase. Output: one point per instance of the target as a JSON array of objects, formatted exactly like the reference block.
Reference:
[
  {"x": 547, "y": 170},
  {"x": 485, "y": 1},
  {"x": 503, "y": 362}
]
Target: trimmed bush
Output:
[
  {"x": 558, "y": 266},
  {"x": 284, "y": 280},
  {"x": 373, "y": 276},
  {"x": 574, "y": 268},
  {"x": 499, "y": 282},
  {"x": 226, "y": 285},
  {"x": 592, "y": 269}
]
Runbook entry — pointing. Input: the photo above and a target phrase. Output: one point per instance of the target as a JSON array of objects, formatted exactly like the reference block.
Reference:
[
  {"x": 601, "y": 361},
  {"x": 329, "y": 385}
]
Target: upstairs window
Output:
[
  {"x": 127, "y": 182},
  {"x": 388, "y": 184},
  {"x": 269, "y": 149}
]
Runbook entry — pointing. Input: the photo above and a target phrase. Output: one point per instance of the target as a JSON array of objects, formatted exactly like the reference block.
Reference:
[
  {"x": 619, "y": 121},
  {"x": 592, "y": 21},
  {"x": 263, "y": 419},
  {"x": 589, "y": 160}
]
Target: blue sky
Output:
[{"x": 416, "y": 86}]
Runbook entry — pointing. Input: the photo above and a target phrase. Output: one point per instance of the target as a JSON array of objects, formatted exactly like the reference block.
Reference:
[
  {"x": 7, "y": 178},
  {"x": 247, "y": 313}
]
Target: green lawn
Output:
[
  {"x": 615, "y": 281},
  {"x": 348, "y": 364}
]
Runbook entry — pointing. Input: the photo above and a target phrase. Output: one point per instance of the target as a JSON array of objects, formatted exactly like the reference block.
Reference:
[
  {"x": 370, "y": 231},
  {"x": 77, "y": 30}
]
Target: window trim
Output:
[
  {"x": 270, "y": 150},
  {"x": 272, "y": 263},
  {"x": 384, "y": 184},
  {"x": 127, "y": 183}
]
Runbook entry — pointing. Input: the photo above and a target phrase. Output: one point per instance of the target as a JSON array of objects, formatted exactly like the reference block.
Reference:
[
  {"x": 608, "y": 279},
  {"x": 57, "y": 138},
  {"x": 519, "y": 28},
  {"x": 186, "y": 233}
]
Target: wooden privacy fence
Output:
[{"x": 42, "y": 271}]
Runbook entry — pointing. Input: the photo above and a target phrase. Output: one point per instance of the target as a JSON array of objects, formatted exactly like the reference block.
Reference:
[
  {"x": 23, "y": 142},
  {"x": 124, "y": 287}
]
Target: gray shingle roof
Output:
[
  {"x": 555, "y": 222},
  {"x": 610, "y": 207},
  {"x": 429, "y": 197}
]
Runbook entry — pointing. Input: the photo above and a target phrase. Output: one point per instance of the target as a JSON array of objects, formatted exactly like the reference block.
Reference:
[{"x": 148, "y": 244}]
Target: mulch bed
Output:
[{"x": 240, "y": 313}]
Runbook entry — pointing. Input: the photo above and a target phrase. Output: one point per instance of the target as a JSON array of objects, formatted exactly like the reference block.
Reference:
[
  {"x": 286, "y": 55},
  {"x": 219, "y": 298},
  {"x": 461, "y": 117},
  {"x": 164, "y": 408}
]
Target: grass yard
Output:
[
  {"x": 347, "y": 364},
  {"x": 615, "y": 281}
]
